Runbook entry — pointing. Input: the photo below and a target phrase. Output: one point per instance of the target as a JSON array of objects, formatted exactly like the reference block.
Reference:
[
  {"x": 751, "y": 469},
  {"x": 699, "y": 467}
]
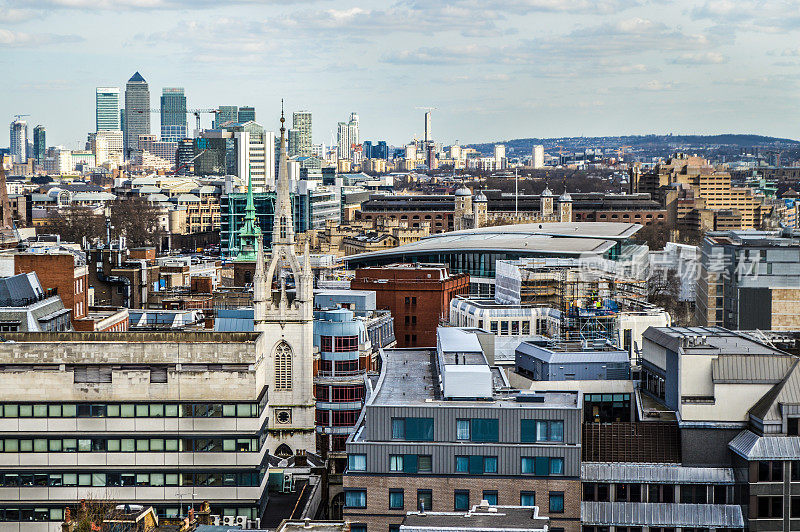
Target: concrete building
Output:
[
  {"x": 137, "y": 112},
  {"x": 537, "y": 157},
  {"x": 19, "y": 141},
  {"x": 559, "y": 361},
  {"x": 301, "y": 122},
  {"x": 107, "y": 109},
  {"x": 417, "y": 450},
  {"x": 418, "y": 297},
  {"x": 749, "y": 280},
  {"x": 347, "y": 137},
  {"x": 157, "y": 419}
]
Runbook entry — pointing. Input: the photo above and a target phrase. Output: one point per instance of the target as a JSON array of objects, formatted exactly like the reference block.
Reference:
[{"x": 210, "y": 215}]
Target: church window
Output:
[
  {"x": 283, "y": 367},
  {"x": 283, "y": 226}
]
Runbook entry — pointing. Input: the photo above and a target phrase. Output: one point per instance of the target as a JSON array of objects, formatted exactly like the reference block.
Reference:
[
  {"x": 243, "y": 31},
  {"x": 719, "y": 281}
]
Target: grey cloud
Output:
[
  {"x": 19, "y": 39},
  {"x": 701, "y": 58}
]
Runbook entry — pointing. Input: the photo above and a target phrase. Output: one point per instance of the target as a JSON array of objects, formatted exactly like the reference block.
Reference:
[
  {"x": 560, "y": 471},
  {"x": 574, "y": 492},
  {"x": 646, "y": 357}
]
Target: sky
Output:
[{"x": 493, "y": 69}]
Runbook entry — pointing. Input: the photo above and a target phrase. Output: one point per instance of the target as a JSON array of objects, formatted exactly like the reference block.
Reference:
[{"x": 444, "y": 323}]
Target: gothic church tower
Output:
[{"x": 286, "y": 322}]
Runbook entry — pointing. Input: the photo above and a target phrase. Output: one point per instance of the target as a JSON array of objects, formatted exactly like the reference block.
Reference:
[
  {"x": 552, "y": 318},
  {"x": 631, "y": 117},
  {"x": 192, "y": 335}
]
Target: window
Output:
[
  {"x": 795, "y": 507},
  {"x": 792, "y": 426},
  {"x": 596, "y": 492},
  {"x": 660, "y": 493},
  {"x": 283, "y": 367},
  {"x": 396, "y": 499},
  {"x": 326, "y": 344},
  {"x": 424, "y": 500},
  {"x": 694, "y": 493},
  {"x": 629, "y": 493},
  {"x": 396, "y": 462},
  {"x": 532, "y": 431},
  {"x": 355, "y": 498},
  {"x": 490, "y": 496},
  {"x": 770, "y": 471},
  {"x": 542, "y": 466},
  {"x": 557, "y": 502},
  {"x": 527, "y": 498},
  {"x": 476, "y": 464},
  {"x": 357, "y": 462},
  {"x": 462, "y": 429},
  {"x": 770, "y": 507},
  {"x": 461, "y": 500},
  {"x": 345, "y": 343},
  {"x": 424, "y": 463},
  {"x": 412, "y": 428},
  {"x": 485, "y": 430},
  {"x": 462, "y": 464}
]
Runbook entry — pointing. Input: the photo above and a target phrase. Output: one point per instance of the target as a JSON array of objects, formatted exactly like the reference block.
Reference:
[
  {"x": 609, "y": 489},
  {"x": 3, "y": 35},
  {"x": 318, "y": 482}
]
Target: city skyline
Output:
[{"x": 529, "y": 68}]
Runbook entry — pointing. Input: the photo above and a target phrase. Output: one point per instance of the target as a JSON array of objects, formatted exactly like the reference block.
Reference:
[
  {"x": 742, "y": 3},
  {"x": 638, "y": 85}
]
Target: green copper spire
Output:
[{"x": 250, "y": 232}]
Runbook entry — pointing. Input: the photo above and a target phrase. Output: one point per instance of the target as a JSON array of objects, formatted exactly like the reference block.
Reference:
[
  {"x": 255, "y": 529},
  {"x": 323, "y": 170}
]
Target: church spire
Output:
[
  {"x": 250, "y": 232},
  {"x": 283, "y": 226}
]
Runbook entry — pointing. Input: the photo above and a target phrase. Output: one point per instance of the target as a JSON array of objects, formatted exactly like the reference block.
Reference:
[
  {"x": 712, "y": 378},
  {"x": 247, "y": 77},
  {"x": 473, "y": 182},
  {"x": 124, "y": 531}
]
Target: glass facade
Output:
[{"x": 232, "y": 216}]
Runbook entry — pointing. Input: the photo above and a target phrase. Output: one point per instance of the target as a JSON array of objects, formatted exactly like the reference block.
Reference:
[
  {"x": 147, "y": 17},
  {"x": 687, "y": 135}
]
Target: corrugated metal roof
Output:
[
  {"x": 654, "y": 473},
  {"x": 751, "y": 369},
  {"x": 662, "y": 514},
  {"x": 787, "y": 391},
  {"x": 754, "y": 447}
]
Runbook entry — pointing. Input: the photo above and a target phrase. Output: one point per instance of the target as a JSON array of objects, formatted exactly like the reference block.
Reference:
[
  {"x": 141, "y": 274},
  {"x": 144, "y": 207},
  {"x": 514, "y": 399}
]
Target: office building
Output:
[
  {"x": 19, "y": 141},
  {"x": 39, "y": 144},
  {"x": 246, "y": 114},
  {"x": 123, "y": 423},
  {"x": 137, "y": 113},
  {"x": 439, "y": 435},
  {"x": 417, "y": 295},
  {"x": 537, "y": 156},
  {"x": 173, "y": 114},
  {"x": 301, "y": 122},
  {"x": 570, "y": 361},
  {"x": 28, "y": 307},
  {"x": 260, "y": 147},
  {"x": 499, "y": 156},
  {"x": 107, "y": 108},
  {"x": 226, "y": 114},
  {"x": 347, "y": 136},
  {"x": 428, "y": 131},
  {"x": 749, "y": 280}
]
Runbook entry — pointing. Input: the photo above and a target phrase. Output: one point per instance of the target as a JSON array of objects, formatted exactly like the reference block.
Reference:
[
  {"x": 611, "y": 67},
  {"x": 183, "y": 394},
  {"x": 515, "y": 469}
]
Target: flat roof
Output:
[
  {"x": 573, "y": 238},
  {"x": 409, "y": 379},
  {"x": 502, "y": 518},
  {"x": 708, "y": 340}
]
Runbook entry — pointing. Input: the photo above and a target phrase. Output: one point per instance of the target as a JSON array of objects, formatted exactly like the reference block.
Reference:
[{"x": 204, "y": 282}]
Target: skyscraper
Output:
[
  {"x": 39, "y": 144},
  {"x": 173, "y": 114},
  {"x": 293, "y": 142},
  {"x": 137, "y": 112},
  {"x": 428, "y": 132},
  {"x": 247, "y": 114},
  {"x": 107, "y": 108},
  {"x": 537, "y": 156},
  {"x": 19, "y": 141},
  {"x": 347, "y": 136},
  {"x": 225, "y": 114},
  {"x": 301, "y": 122}
]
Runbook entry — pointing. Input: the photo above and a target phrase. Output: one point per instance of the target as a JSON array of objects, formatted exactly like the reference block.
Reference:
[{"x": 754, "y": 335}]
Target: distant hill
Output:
[{"x": 729, "y": 140}]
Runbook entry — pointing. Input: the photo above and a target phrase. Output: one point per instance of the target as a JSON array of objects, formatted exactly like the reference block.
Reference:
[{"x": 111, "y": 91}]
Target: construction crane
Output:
[
  {"x": 195, "y": 112},
  {"x": 17, "y": 117},
  {"x": 187, "y": 163},
  {"x": 621, "y": 151}
]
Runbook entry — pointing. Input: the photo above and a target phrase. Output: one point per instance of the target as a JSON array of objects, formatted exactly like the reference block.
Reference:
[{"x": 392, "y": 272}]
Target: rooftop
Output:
[
  {"x": 708, "y": 340},
  {"x": 494, "y": 518}
]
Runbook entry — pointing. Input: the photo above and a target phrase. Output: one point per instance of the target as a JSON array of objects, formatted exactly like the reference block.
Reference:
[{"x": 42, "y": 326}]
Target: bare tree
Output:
[
  {"x": 664, "y": 290},
  {"x": 137, "y": 220},
  {"x": 73, "y": 222}
]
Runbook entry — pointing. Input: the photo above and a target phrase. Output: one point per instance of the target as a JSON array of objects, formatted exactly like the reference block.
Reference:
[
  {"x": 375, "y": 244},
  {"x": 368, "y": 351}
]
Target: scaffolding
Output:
[{"x": 589, "y": 300}]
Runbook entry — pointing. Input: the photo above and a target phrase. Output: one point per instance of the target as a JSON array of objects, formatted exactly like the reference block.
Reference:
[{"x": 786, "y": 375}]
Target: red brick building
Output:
[
  {"x": 417, "y": 295},
  {"x": 62, "y": 271}
]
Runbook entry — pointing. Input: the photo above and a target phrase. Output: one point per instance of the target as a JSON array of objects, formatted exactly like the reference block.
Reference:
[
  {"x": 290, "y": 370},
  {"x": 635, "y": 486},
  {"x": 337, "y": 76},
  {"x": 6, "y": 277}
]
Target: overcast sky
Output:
[{"x": 494, "y": 69}]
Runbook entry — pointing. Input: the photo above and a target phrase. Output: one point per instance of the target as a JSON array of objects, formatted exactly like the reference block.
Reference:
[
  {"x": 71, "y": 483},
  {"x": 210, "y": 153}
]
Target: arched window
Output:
[
  {"x": 283, "y": 451},
  {"x": 283, "y": 367},
  {"x": 283, "y": 226}
]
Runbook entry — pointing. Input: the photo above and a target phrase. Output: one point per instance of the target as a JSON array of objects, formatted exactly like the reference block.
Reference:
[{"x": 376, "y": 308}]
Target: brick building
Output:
[
  {"x": 63, "y": 271},
  {"x": 418, "y": 295}
]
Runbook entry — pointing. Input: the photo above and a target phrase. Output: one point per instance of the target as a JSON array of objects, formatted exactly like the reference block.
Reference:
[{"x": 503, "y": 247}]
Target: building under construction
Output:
[{"x": 589, "y": 297}]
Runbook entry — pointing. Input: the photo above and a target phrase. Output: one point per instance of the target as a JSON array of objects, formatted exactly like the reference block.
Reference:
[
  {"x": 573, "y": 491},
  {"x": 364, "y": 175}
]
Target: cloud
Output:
[
  {"x": 700, "y": 58},
  {"x": 10, "y": 15},
  {"x": 655, "y": 85},
  {"x": 752, "y": 15},
  {"x": 145, "y": 5},
  {"x": 18, "y": 39},
  {"x": 593, "y": 7}
]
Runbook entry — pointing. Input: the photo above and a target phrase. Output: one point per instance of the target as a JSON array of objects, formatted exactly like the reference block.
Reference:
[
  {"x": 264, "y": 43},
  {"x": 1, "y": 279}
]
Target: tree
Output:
[
  {"x": 73, "y": 223},
  {"x": 664, "y": 290},
  {"x": 137, "y": 220}
]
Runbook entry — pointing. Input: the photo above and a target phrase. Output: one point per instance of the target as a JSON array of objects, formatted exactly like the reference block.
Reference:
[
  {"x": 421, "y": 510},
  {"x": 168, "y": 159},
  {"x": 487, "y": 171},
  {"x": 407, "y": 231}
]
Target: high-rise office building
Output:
[
  {"x": 137, "y": 112},
  {"x": 380, "y": 150},
  {"x": 428, "y": 132},
  {"x": 226, "y": 114},
  {"x": 366, "y": 151},
  {"x": 301, "y": 122},
  {"x": 107, "y": 108},
  {"x": 19, "y": 141},
  {"x": 247, "y": 114},
  {"x": 347, "y": 136},
  {"x": 173, "y": 114},
  {"x": 39, "y": 144},
  {"x": 293, "y": 142},
  {"x": 537, "y": 156}
]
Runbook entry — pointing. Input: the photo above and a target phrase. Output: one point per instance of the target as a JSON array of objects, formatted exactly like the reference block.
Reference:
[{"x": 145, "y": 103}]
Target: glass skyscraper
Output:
[
  {"x": 39, "y": 144},
  {"x": 173, "y": 114},
  {"x": 301, "y": 122},
  {"x": 107, "y": 108},
  {"x": 137, "y": 112},
  {"x": 225, "y": 114},
  {"x": 247, "y": 114}
]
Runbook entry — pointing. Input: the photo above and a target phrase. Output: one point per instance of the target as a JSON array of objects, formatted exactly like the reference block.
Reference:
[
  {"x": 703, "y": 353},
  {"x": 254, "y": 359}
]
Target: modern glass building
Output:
[
  {"x": 39, "y": 144},
  {"x": 301, "y": 122},
  {"x": 247, "y": 114},
  {"x": 225, "y": 114},
  {"x": 137, "y": 112},
  {"x": 173, "y": 114},
  {"x": 107, "y": 108},
  {"x": 232, "y": 212}
]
